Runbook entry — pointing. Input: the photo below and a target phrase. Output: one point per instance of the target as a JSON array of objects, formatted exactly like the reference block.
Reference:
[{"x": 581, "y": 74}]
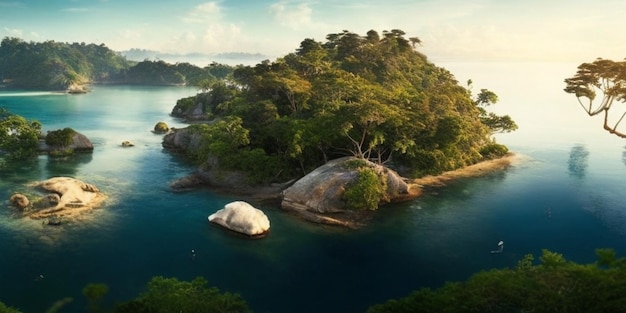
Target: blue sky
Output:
[{"x": 451, "y": 30}]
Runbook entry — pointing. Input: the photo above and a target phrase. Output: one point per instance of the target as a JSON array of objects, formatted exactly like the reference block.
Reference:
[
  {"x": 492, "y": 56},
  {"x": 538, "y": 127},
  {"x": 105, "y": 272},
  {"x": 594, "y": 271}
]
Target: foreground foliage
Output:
[
  {"x": 171, "y": 295},
  {"x": 374, "y": 97},
  {"x": 554, "y": 285}
]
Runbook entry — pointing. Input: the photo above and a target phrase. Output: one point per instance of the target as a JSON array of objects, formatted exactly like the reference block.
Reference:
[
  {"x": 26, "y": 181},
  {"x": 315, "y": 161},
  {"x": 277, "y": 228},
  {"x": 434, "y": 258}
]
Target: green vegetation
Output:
[
  {"x": 54, "y": 65},
  {"x": 374, "y": 97},
  {"x": 608, "y": 79},
  {"x": 171, "y": 295},
  {"x": 60, "y": 137},
  {"x": 554, "y": 285},
  {"x": 366, "y": 191},
  {"x": 19, "y": 138}
]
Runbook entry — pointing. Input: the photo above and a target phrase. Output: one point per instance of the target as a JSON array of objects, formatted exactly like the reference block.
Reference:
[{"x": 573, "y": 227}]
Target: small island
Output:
[
  {"x": 57, "y": 199},
  {"x": 337, "y": 129}
]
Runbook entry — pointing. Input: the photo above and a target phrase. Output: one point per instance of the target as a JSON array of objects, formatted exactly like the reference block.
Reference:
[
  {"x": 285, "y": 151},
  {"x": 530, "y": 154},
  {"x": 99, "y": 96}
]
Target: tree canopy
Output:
[
  {"x": 553, "y": 285},
  {"x": 600, "y": 88},
  {"x": 19, "y": 137},
  {"x": 371, "y": 96},
  {"x": 54, "y": 65}
]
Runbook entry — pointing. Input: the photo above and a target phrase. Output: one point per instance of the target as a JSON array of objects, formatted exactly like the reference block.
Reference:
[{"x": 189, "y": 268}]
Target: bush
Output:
[
  {"x": 493, "y": 151},
  {"x": 61, "y": 137},
  {"x": 366, "y": 191}
]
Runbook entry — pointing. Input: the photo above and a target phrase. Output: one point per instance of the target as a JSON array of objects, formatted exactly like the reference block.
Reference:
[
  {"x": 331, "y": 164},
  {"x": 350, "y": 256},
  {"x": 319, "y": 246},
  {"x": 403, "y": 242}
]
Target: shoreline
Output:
[{"x": 474, "y": 170}]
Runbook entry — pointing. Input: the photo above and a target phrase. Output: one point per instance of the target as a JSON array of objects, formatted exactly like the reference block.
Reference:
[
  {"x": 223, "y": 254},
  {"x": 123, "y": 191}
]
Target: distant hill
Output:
[
  {"x": 60, "y": 66},
  {"x": 198, "y": 59}
]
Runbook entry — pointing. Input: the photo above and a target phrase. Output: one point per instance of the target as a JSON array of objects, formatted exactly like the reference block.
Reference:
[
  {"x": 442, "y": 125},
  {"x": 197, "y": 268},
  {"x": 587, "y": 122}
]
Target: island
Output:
[{"x": 337, "y": 129}]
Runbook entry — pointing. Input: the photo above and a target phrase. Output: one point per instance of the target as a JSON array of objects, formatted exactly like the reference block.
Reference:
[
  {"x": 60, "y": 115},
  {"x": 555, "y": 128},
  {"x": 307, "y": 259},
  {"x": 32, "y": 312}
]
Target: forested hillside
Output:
[
  {"x": 53, "y": 65},
  {"x": 372, "y": 96}
]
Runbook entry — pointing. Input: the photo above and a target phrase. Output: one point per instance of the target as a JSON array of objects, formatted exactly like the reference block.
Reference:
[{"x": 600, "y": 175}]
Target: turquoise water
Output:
[{"x": 563, "y": 193}]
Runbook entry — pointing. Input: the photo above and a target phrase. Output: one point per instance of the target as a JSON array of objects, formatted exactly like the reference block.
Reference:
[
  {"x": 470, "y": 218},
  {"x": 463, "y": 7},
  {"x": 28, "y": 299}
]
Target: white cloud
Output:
[
  {"x": 203, "y": 13},
  {"x": 294, "y": 16},
  {"x": 13, "y": 32}
]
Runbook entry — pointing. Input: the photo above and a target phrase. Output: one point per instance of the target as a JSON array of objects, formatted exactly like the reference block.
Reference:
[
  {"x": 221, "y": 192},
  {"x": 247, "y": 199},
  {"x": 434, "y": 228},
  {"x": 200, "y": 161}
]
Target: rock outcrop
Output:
[
  {"x": 79, "y": 143},
  {"x": 241, "y": 217},
  {"x": 161, "y": 128},
  {"x": 318, "y": 196},
  {"x": 182, "y": 140},
  {"x": 64, "y": 197}
]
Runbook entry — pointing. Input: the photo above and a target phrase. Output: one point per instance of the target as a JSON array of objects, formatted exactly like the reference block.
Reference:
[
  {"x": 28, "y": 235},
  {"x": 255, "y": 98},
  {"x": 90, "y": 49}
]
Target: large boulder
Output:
[
  {"x": 241, "y": 217},
  {"x": 77, "y": 143},
  {"x": 182, "y": 140},
  {"x": 318, "y": 196}
]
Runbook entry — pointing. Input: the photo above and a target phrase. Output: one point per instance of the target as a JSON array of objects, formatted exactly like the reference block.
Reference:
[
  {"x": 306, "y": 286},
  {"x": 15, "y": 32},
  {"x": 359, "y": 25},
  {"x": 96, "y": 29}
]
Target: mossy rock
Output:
[{"x": 161, "y": 128}]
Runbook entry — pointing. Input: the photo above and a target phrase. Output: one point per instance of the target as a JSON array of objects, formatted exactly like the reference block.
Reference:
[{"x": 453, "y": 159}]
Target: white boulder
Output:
[{"x": 243, "y": 218}]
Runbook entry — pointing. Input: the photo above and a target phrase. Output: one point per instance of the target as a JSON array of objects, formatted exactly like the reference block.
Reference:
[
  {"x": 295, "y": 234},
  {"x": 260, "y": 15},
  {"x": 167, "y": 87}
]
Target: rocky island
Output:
[{"x": 57, "y": 199}]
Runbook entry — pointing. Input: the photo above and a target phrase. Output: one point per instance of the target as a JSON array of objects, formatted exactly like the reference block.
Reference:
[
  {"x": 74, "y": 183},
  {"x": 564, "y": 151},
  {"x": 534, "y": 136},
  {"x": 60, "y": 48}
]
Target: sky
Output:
[{"x": 450, "y": 30}]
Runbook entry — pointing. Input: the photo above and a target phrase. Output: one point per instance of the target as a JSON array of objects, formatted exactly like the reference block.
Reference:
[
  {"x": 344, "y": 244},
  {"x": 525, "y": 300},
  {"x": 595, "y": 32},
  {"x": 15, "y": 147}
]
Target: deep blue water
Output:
[{"x": 563, "y": 193}]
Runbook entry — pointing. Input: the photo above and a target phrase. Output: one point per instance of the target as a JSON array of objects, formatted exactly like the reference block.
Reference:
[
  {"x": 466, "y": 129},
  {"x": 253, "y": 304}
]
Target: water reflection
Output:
[
  {"x": 578, "y": 161},
  {"x": 624, "y": 156}
]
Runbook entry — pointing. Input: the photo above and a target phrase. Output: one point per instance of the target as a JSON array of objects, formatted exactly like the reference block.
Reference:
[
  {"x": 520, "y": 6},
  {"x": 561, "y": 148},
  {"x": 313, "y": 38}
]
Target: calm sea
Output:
[{"x": 565, "y": 193}]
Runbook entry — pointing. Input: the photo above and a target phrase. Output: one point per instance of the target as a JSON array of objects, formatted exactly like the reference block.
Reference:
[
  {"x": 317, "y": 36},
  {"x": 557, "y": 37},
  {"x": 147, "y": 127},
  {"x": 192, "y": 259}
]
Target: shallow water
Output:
[{"x": 563, "y": 194}]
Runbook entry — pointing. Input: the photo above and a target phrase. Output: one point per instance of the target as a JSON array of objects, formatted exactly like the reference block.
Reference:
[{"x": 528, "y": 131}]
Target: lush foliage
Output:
[
  {"x": 372, "y": 96},
  {"x": 60, "y": 137},
  {"x": 19, "y": 138},
  {"x": 54, "y": 65},
  {"x": 162, "y": 73},
  {"x": 606, "y": 80},
  {"x": 366, "y": 191},
  {"x": 553, "y": 285},
  {"x": 171, "y": 295}
]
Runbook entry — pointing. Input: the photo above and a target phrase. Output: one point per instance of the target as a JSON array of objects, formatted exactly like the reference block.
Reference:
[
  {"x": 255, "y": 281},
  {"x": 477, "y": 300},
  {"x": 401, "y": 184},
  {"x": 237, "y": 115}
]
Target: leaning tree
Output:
[{"x": 600, "y": 88}]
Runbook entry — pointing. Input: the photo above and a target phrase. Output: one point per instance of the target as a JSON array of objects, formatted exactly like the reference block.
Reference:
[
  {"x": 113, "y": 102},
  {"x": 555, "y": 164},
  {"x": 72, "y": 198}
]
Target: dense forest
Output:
[
  {"x": 374, "y": 97},
  {"x": 54, "y": 65}
]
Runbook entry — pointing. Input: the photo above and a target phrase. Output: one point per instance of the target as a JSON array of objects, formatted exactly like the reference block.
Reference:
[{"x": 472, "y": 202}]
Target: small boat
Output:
[{"x": 500, "y": 248}]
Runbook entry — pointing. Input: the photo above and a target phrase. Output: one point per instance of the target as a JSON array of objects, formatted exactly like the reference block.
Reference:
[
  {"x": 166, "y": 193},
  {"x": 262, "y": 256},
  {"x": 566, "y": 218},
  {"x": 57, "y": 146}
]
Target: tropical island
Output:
[
  {"x": 393, "y": 120},
  {"x": 371, "y": 105}
]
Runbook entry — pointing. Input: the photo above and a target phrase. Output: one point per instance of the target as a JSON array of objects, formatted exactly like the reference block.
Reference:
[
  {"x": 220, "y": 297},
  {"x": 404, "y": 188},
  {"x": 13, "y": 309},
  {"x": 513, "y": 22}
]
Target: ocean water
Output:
[{"x": 563, "y": 193}]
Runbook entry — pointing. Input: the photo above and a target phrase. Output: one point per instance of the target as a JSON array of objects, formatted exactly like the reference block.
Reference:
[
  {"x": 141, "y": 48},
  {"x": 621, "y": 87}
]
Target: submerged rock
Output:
[
  {"x": 19, "y": 201},
  {"x": 241, "y": 217}
]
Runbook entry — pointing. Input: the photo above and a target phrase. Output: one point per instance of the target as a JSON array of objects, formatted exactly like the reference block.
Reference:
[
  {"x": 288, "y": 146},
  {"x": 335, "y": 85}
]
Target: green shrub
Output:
[
  {"x": 493, "y": 151},
  {"x": 61, "y": 137},
  {"x": 366, "y": 191}
]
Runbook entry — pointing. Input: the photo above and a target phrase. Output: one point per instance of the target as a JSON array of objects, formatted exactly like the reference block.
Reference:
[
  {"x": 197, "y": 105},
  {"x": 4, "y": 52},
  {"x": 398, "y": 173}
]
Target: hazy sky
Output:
[{"x": 463, "y": 30}]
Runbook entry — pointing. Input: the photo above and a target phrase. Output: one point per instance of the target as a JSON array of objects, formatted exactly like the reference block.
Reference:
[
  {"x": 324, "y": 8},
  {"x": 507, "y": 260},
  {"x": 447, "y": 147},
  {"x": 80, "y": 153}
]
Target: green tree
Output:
[
  {"x": 19, "y": 138},
  {"x": 171, "y": 295},
  {"x": 554, "y": 285}
]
